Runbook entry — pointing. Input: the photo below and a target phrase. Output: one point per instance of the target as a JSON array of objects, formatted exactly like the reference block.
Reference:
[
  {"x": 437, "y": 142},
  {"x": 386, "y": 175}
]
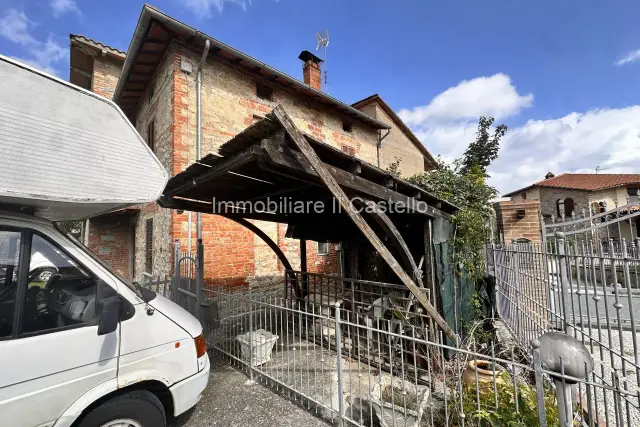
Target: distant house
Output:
[
  {"x": 580, "y": 193},
  {"x": 566, "y": 195}
]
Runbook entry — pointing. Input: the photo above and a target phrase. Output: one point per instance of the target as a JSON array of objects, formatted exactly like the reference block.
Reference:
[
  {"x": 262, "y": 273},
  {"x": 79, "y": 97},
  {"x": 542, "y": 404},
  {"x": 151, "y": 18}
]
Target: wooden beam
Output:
[
  {"x": 157, "y": 41},
  {"x": 303, "y": 267},
  {"x": 331, "y": 183},
  {"x": 295, "y": 161},
  {"x": 397, "y": 241},
  {"x": 141, "y": 73}
]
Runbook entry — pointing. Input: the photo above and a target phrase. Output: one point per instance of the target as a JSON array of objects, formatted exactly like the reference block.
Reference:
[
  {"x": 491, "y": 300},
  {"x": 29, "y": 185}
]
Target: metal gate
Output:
[{"x": 188, "y": 278}]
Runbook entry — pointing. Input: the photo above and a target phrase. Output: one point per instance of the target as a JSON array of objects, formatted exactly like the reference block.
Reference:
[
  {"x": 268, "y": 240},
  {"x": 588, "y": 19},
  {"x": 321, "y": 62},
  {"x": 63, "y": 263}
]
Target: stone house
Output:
[
  {"x": 154, "y": 83},
  {"x": 565, "y": 195}
]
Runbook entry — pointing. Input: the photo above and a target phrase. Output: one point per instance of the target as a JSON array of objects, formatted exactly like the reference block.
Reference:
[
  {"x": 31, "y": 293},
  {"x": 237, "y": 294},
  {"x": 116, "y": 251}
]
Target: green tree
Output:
[
  {"x": 464, "y": 184},
  {"x": 484, "y": 149}
]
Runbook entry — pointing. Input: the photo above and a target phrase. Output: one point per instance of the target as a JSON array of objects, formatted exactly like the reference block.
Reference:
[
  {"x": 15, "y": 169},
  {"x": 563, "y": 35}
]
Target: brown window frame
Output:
[
  {"x": 151, "y": 134},
  {"x": 148, "y": 245}
]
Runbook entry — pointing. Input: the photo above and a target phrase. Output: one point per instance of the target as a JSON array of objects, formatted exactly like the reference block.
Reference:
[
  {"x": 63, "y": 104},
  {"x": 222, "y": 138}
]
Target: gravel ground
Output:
[
  {"x": 231, "y": 400},
  {"x": 604, "y": 369}
]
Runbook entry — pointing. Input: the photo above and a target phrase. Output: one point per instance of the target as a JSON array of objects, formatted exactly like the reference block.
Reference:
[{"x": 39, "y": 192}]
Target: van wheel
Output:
[{"x": 135, "y": 409}]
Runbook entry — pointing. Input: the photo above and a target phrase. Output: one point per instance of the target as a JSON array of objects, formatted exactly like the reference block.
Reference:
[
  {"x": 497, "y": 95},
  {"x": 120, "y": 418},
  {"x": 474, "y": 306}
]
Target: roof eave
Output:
[{"x": 149, "y": 13}]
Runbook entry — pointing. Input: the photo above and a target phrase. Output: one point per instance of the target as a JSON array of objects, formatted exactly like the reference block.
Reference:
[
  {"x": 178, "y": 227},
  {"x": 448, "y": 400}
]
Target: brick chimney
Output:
[{"x": 311, "y": 69}]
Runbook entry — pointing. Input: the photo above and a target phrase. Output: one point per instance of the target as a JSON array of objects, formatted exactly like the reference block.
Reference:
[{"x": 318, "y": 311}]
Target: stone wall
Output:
[
  {"x": 156, "y": 105},
  {"x": 512, "y": 227},
  {"x": 398, "y": 146},
  {"x": 549, "y": 200}
]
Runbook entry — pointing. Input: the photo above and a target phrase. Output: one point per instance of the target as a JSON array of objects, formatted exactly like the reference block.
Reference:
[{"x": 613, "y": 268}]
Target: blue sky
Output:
[{"x": 564, "y": 76}]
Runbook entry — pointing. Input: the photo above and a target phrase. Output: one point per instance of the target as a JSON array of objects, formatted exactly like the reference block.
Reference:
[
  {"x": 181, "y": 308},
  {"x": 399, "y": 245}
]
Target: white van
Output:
[{"x": 80, "y": 346}]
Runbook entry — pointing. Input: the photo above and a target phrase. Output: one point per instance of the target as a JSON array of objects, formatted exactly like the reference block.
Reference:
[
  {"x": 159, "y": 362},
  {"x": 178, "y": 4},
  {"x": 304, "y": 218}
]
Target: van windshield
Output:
[{"x": 131, "y": 285}]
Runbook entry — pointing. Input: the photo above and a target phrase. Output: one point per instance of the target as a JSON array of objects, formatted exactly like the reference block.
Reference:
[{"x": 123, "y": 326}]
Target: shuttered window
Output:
[
  {"x": 148, "y": 246},
  {"x": 349, "y": 150},
  {"x": 151, "y": 134}
]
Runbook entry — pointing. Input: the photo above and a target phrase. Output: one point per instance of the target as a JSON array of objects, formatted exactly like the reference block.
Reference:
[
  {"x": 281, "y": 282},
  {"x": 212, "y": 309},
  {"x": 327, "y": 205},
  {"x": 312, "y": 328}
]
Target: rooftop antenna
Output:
[
  {"x": 323, "y": 43},
  {"x": 598, "y": 169}
]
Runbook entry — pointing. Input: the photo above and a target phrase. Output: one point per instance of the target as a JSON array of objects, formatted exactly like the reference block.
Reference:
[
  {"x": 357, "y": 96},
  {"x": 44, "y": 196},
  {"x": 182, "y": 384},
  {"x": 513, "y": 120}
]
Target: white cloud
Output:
[
  {"x": 493, "y": 96},
  {"x": 577, "y": 142},
  {"x": 628, "y": 58},
  {"x": 60, "y": 7},
  {"x": 15, "y": 26},
  {"x": 203, "y": 7}
]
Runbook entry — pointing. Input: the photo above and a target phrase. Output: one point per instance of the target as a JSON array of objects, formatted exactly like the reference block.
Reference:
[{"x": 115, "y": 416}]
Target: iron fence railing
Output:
[
  {"x": 582, "y": 289},
  {"x": 360, "y": 370}
]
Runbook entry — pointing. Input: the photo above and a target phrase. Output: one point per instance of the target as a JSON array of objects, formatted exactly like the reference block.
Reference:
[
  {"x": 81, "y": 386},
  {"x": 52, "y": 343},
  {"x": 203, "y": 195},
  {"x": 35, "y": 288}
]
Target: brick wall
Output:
[
  {"x": 111, "y": 238},
  {"x": 512, "y": 227},
  {"x": 106, "y": 71},
  {"x": 323, "y": 264}
]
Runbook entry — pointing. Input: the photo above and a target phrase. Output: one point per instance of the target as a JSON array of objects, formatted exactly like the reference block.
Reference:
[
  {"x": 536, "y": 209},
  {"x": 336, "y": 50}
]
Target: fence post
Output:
[
  {"x": 176, "y": 270},
  {"x": 339, "y": 354},
  {"x": 563, "y": 278},
  {"x": 516, "y": 285},
  {"x": 199, "y": 278},
  {"x": 537, "y": 367},
  {"x": 250, "y": 336}
]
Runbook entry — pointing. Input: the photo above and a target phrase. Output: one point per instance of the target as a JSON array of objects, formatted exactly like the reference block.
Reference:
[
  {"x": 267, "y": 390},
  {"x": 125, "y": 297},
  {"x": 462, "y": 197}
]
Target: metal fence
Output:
[
  {"x": 364, "y": 370},
  {"x": 585, "y": 290}
]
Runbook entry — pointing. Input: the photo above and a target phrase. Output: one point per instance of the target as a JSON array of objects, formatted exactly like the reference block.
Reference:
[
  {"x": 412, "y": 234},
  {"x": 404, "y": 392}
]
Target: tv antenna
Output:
[
  {"x": 598, "y": 169},
  {"x": 323, "y": 42}
]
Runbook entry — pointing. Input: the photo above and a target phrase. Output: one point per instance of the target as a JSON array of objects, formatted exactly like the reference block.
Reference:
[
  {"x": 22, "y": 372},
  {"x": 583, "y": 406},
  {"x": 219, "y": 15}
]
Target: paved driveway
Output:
[{"x": 230, "y": 401}]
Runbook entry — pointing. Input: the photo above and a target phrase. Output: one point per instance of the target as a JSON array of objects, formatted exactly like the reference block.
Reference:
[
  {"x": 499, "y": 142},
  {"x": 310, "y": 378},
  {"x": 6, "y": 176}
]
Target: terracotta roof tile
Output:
[
  {"x": 97, "y": 44},
  {"x": 585, "y": 182}
]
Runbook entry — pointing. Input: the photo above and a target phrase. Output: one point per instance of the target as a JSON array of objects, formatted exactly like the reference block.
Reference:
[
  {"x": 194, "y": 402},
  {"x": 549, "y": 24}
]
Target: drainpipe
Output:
[
  {"x": 380, "y": 139},
  {"x": 205, "y": 52}
]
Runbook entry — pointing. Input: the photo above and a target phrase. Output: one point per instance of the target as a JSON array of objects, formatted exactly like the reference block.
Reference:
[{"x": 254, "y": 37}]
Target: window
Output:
[
  {"x": 565, "y": 207},
  {"x": 634, "y": 194},
  {"x": 347, "y": 127},
  {"x": 9, "y": 256},
  {"x": 523, "y": 195},
  {"x": 264, "y": 92},
  {"x": 349, "y": 150},
  {"x": 151, "y": 134},
  {"x": 323, "y": 248},
  {"x": 42, "y": 287},
  {"x": 148, "y": 247}
]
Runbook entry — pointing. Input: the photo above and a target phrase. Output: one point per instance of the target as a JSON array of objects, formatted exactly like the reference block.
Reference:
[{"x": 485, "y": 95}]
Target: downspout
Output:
[
  {"x": 205, "y": 52},
  {"x": 380, "y": 139}
]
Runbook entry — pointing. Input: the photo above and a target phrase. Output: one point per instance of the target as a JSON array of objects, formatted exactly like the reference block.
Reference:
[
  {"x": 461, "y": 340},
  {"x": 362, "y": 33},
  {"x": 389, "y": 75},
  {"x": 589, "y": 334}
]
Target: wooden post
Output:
[
  {"x": 303, "y": 267},
  {"x": 306, "y": 149}
]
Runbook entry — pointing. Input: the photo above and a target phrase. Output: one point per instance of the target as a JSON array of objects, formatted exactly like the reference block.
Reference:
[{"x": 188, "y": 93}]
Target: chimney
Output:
[
  {"x": 549, "y": 175},
  {"x": 311, "y": 69}
]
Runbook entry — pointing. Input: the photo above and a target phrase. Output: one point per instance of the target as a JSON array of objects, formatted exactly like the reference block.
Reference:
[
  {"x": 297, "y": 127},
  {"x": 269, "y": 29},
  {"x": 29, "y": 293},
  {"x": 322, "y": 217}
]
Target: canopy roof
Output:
[{"x": 261, "y": 165}]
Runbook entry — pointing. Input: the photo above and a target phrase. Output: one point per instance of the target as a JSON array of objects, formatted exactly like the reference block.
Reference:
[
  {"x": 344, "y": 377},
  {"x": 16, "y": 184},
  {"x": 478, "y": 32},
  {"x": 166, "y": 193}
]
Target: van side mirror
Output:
[{"x": 109, "y": 315}]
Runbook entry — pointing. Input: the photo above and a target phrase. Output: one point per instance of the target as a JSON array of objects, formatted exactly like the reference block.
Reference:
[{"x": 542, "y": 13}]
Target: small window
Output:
[
  {"x": 151, "y": 134},
  {"x": 323, "y": 248},
  {"x": 523, "y": 195},
  {"x": 565, "y": 207},
  {"x": 347, "y": 127},
  {"x": 264, "y": 92},
  {"x": 633, "y": 194},
  {"x": 349, "y": 150},
  {"x": 148, "y": 246}
]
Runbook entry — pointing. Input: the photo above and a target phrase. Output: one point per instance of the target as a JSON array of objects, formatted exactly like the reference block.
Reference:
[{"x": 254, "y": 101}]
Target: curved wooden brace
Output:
[
  {"x": 396, "y": 239},
  {"x": 274, "y": 247}
]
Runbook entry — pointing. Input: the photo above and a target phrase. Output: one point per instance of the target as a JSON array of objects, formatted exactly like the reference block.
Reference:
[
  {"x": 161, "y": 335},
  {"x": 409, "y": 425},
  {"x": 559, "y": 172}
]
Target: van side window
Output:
[
  {"x": 59, "y": 292},
  {"x": 9, "y": 256}
]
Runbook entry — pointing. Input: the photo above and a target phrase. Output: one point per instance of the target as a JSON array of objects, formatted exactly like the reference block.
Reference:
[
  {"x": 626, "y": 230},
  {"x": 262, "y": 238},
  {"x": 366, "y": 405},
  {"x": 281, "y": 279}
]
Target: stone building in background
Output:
[
  {"x": 154, "y": 83},
  {"x": 567, "y": 195}
]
